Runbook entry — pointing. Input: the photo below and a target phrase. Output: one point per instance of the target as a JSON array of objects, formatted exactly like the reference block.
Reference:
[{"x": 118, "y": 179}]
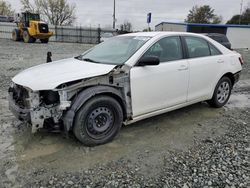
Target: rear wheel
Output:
[
  {"x": 44, "y": 40},
  {"x": 98, "y": 121},
  {"x": 222, "y": 93},
  {"x": 27, "y": 38},
  {"x": 16, "y": 35}
]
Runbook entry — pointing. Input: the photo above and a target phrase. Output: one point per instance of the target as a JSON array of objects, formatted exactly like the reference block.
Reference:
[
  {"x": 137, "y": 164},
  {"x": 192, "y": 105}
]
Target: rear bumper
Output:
[
  {"x": 237, "y": 77},
  {"x": 19, "y": 113}
]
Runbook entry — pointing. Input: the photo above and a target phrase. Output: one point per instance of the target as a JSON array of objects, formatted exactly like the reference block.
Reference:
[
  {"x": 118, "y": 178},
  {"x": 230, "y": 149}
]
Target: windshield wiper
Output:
[
  {"x": 85, "y": 59},
  {"x": 89, "y": 60}
]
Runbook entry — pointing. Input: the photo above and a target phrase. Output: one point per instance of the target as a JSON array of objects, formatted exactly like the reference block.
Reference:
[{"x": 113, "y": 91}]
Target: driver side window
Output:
[{"x": 166, "y": 49}]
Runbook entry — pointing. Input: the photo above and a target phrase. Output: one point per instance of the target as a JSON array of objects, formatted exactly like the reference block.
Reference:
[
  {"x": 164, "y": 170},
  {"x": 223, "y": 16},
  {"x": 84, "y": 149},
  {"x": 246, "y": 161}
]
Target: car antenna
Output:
[{"x": 49, "y": 55}]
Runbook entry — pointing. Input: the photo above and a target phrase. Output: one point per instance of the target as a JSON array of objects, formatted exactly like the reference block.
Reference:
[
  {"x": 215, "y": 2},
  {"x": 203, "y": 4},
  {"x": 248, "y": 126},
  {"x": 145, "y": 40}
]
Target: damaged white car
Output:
[{"x": 123, "y": 80}]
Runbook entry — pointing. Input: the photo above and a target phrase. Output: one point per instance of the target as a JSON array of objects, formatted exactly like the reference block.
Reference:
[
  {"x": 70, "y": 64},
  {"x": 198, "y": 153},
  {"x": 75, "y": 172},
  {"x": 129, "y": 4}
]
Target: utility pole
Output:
[
  {"x": 241, "y": 6},
  {"x": 114, "y": 19}
]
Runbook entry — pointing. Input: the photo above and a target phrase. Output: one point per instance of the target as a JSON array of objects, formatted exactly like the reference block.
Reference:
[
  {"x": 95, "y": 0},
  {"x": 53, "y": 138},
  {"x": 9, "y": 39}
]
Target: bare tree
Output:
[
  {"x": 5, "y": 8},
  {"x": 29, "y": 6},
  {"x": 56, "y": 12},
  {"x": 126, "y": 26}
]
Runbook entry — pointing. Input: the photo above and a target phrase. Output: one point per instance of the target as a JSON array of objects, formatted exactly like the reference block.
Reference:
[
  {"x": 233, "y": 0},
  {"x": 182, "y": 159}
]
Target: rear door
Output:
[{"x": 205, "y": 63}]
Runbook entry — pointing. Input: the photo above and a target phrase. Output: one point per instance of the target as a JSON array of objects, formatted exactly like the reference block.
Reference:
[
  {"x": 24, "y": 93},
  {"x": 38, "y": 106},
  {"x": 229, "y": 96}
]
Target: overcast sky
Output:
[{"x": 94, "y": 12}]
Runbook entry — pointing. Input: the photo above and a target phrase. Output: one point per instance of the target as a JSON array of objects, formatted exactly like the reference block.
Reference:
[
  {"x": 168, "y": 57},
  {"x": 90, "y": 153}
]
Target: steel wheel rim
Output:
[
  {"x": 223, "y": 92},
  {"x": 100, "y": 122}
]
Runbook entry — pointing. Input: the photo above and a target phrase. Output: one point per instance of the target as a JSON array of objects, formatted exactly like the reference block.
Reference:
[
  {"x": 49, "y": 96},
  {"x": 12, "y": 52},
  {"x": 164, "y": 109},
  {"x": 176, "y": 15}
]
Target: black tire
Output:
[
  {"x": 44, "y": 40},
  {"x": 98, "y": 121},
  {"x": 222, "y": 93},
  {"x": 16, "y": 35},
  {"x": 27, "y": 38}
]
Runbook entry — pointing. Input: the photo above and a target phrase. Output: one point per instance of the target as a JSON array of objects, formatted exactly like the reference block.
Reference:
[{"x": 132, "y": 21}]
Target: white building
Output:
[{"x": 238, "y": 35}]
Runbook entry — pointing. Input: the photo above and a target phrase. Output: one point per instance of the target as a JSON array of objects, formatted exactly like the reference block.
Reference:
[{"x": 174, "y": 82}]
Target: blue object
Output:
[{"x": 149, "y": 17}]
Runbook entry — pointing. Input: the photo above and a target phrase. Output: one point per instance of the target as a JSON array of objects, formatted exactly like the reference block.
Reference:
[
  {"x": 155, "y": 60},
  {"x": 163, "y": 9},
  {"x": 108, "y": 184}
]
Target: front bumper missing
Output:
[
  {"x": 36, "y": 115},
  {"x": 19, "y": 113}
]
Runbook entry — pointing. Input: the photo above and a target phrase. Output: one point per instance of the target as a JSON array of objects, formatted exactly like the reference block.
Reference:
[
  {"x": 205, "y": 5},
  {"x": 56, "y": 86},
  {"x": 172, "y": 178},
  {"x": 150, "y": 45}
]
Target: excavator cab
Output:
[{"x": 26, "y": 17}]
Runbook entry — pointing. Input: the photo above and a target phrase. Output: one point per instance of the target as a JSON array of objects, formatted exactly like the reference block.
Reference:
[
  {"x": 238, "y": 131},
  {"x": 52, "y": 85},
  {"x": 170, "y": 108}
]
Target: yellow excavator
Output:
[{"x": 30, "y": 28}]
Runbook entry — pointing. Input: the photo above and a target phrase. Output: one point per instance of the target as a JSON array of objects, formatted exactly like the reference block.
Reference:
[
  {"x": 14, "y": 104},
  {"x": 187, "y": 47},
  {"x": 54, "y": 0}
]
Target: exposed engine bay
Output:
[{"x": 55, "y": 109}]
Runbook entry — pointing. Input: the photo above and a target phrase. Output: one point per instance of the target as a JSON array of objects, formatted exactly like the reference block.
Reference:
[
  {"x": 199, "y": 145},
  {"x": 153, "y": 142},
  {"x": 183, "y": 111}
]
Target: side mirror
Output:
[{"x": 149, "y": 61}]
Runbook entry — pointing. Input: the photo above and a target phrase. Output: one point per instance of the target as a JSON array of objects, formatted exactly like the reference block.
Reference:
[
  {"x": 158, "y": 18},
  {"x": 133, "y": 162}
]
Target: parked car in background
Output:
[
  {"x": 6, "y": 18},
  {"x": 123, "y": 80},
  {"x": 11, "y": 19},
  {"x": 222, "y": 39},
  {"x": 3, "y": 18}
]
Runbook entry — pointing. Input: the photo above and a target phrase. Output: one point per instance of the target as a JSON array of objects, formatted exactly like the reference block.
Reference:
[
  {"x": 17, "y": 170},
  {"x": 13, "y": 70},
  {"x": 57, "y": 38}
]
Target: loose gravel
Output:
[{"x": 221, "y": 162}]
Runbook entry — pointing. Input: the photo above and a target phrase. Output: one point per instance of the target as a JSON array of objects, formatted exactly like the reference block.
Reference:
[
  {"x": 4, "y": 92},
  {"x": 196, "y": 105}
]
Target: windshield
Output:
[
  {"x": 114, "y": 51},
  {"x": 34, "y": 17}
]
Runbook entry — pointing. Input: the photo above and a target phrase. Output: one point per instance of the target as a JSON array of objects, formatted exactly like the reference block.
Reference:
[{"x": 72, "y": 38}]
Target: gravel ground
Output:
[
  {"x": 18, "y": 56},
  {"x": 219, "y": 162},
  {"x": 195, "y": 146}
]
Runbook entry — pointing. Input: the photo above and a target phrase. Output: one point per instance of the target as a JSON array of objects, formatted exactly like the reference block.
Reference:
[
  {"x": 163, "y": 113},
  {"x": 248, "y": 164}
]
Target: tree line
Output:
[
  {"x": 205, "y": 14},
  {"x": 61, "y": 12}
]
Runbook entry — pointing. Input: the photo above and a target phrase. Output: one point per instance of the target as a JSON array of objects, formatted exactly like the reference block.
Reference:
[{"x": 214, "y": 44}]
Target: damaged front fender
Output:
[{"x": 84, "y": 96}]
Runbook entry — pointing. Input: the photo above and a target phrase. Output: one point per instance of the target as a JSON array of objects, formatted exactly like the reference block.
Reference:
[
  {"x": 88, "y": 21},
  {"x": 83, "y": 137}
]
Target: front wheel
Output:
[
  {"x": 222, "y": 93},
  {"x": 27, "y": 38},
  {"x": 98, "y": 121}
]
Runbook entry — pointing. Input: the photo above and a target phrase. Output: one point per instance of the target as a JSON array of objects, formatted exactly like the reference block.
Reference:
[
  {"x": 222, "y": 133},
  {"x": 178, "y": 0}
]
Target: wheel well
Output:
[
  {"x": 116, "y": 97},
  {"x": 230, "y": 76}
]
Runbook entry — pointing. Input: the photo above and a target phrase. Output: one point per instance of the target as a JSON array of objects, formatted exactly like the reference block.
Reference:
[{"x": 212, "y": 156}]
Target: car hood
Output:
[{"x": 50, "y": 75}]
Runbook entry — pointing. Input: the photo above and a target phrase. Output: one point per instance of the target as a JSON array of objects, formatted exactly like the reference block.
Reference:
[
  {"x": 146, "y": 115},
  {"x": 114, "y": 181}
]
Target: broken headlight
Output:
[{"x": 50, "y": 97}]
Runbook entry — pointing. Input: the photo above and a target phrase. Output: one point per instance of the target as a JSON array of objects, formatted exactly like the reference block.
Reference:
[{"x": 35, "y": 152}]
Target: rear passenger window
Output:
[
  {"x": 214, "y": 51},
  {"x": 166, "y": 49},
  {"x": 216, "y": 38},
  {"x": 197, "y": 47}
]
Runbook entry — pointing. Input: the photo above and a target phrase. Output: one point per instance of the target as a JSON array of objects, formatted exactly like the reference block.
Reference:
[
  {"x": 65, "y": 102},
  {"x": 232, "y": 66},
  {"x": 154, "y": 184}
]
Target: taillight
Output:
[{"x": 241, "y": 60}]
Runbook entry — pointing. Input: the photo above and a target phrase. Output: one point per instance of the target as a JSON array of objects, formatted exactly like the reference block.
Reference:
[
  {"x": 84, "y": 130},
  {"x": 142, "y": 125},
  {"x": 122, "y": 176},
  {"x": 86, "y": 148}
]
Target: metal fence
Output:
[{"x": 63, "y": 33}]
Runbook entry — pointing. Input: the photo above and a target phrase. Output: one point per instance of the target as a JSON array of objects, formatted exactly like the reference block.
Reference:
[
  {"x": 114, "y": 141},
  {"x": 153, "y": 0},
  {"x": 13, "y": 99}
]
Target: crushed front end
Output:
[{"x": 41, "y": 109}]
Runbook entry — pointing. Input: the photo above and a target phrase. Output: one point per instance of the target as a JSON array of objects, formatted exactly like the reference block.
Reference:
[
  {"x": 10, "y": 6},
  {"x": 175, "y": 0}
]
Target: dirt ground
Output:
[{"x": 143, "y": 155}]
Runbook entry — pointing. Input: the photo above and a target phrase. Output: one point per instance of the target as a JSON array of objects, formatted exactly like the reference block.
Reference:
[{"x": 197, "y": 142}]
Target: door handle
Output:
[
  {"x": 183, "y": 67},
  {"x": 220, "y": 61}
]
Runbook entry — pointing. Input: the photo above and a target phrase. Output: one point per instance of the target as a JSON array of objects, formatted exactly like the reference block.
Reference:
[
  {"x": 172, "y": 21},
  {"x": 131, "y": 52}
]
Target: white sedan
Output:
[{"x": 122, "y": 80}]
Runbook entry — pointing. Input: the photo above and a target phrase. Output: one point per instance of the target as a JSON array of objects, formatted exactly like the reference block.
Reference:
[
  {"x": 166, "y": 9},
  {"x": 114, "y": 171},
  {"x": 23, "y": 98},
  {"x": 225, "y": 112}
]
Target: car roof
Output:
[
  {"x": 214, "y": 34},
  {"x": 160, "y": 33}
]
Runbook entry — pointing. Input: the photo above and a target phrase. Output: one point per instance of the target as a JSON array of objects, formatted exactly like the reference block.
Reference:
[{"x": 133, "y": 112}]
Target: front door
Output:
[{"x": 157, "y": 87}]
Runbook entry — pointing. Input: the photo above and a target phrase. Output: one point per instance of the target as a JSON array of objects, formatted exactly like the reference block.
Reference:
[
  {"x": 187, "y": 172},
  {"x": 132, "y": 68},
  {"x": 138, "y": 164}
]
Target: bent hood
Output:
[{"x": 50, "y": 75}]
